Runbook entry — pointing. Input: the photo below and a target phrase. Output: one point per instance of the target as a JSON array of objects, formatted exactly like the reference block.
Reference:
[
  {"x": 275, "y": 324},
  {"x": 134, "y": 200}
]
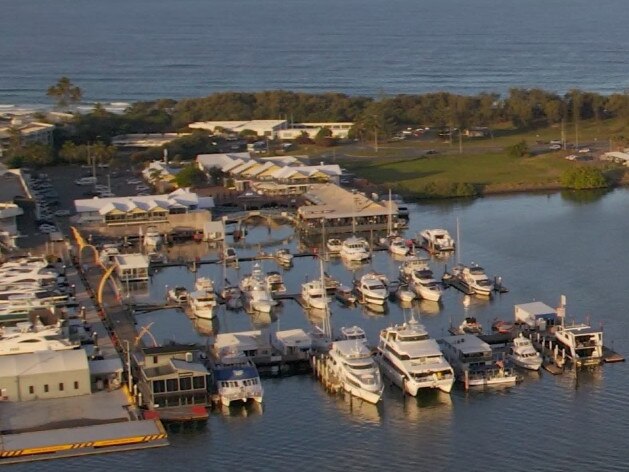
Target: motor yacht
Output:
[
  {"x": 355, "y": 249},
  {"x": 256, "y": 292},
  {"x": 351, "y": 362},
  {"x": 581, "y": 343},
  {"x": 178, "y": 294},
  {"x": 26, "y": 338},
  {"x": 353, "y": 333},
  {"x": 413, "y": 360},
  {"x": 436, "y": 241},
  {"x": 152, "y": 238},
  {"x": 425, "y": 286},
  {"x": 204, "y": 283},
  {"x": 284, "y": 257},
  {"x": 523, "y": 354},
  {"x": 314, "y": 295},
  {"x": 399, "y": 247},
  {"x": 371, "y": 290},
  {"x": 334, "y": 245},
  {"x": 345, "y": 295},
  {"x": 473, "y": 278},
  {"x": 202, "y": 303},
  {"x": 275, "y": 282}
]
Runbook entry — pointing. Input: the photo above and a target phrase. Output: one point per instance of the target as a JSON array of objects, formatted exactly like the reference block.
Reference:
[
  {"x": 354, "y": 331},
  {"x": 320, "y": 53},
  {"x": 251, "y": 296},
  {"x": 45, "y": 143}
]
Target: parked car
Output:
[{"x": 62, "y": 213}]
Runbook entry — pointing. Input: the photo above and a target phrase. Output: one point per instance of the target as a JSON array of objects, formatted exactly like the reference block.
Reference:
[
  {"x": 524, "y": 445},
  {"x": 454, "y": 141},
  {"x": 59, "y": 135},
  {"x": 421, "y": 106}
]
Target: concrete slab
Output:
[{"x": 39, "y": 415}]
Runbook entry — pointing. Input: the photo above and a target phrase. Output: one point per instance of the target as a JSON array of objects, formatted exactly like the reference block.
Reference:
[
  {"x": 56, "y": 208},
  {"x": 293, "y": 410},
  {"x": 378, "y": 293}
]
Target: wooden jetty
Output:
[{"x": 323, "y": 373}]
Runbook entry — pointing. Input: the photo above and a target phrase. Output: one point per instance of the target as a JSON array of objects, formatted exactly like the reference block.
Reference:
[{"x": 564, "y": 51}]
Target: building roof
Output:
[
  {"x": 180, "y": 197},
  {"x": 170, "y": 349},
  {"x": 43, "y": 362},
  {"x": 331, "y": 201},
  {"x": 467, "y": 343},
  {"x": 294, "y": 337},
  {"x": 131, "y": 261},
  {"x": 106, "y": 366},
  {"x": 536, "y": 308},
  {"x": 259, "y": 126},
  {"x": 245, "y": 340}
]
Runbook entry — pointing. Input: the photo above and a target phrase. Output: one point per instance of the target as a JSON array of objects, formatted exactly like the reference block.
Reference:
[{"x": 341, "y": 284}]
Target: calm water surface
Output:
[
  {"x": 542, "y": 246},
  {"x": 146, "y": 49}
]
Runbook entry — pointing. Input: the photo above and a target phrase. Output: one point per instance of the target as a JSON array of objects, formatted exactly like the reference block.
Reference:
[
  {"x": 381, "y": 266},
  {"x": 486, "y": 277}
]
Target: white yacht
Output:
[
  {"x": 355, "y": 249},
  {"x": 411, "y": 265},
  {"x": 26, "y": 338},
  {"x": 202, "y": 303},
  {"x": 334, "y": 245},
  {"x": 371, "y": 289},
  {"x": 237, "y": 379},
  {"x": 353, "y": 333},
  {"x": 398, "y": 246},
  {"x": 204, "y": 283},
  {"x": 425, "y": 286},
  {"x": 178, "y": 294},
  {"x": 284, "y": 257},
  {"x": 583, "y": 344},
  {"x": 474, "y": 363},
  {"x": 412, "y": 360},
  {"x": 352, "y": 363},
  {"x": 256, "y": 292},
  {"x": 473, "y": 277},
  {"x": 469, "y": 325},
  {"x": 314, "y": 295},
  {"x": 523, "y": 354},
  {"x": 275, "y": 282},
  {"x": 436, "y": 240},
  {"x": 152, "y": 238}
]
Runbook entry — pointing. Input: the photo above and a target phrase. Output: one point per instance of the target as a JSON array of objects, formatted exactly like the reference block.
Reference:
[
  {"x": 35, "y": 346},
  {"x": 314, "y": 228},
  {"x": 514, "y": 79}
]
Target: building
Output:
[
  {"x": 44, "y": 374},
  {"x": 136, "y": 210},
  {"x": 214, "y": 230},
  {"x": 160, "y": 171},
  {"x": 477, "y": 132},
  {"x": 173, "y": 375},
  {"x": 330, "y": 208},
  {"x": 145, "y": 141},
  {"x": 8, "y": 223},
  {"x": 617, "y": 156},
  {"x": 132, "y": 267},
  {"x": 282, "y": 129},
  {"x": 30, "y": 133}
]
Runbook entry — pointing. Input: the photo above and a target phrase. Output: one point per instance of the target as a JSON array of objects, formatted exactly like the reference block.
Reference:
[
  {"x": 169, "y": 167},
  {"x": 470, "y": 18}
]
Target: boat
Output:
[
  {"x": 230, "y": 256},
  {"x": 581, "y": 343},
  {"x": 108, "y": 254},
  {"x": 27, "y": 337},
  {"x": 353, "y": 333},
  {"x": 237, "y": 379},
  {"x": 334, "y": 245},
  {"x": 202, "y": 303},
  {"x": 345, "y": 295},
  {"x": 351, "y": 362},
  {"x": 204, "y": 283},
  {"x": 436, "y": 241},
  {"x": 314, "y": 295},
  {"x": 284, "y": 257},
  {"x": 355, "y": 249},
  {"x": 502, "y": 327},
  {"x": 474, "y": 363},
  {"x": 256, "y": 292},
  {"x": 399, "y": 247},
  {"x": 178, "y": 294},
  {"x": 473, "y": 279},
  {"x": 152, "y": 238},
  {"x": 410, "y": 265},
  {"x": 523, "y": 354},
  {"x": 371, "y": 289},
  {"x": 469, "y": 325},
  {"x": 293, "y": 344},
  {"x": 412, "y": 359},
  {"x": 425, "y": 286},
  {"x": 404, "y": 295},
  {"x": 275, "y": 282},
  {"x": 232, "y": 296},
  {"x": 331, "y": 284}
]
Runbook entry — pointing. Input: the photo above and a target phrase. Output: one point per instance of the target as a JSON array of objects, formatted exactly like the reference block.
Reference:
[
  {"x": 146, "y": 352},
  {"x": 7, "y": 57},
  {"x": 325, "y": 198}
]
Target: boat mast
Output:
[
  {"x": 390, "y": 221},
  {"x": 458, "y": 242},
  {"x": 327, "y": 328}
]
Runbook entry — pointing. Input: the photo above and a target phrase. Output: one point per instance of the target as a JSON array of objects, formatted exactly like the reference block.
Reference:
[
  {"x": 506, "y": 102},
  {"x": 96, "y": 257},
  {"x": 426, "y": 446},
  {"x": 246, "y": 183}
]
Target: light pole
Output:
[{"x": 129, "y": 377}]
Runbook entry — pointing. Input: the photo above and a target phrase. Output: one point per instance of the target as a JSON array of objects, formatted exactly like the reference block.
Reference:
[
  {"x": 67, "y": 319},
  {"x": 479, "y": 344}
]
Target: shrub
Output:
[{"x": 583, "y": 177}]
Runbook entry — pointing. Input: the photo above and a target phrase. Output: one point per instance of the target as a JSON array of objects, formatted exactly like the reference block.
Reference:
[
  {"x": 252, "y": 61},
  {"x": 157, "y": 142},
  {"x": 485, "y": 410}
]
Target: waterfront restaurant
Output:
[
  {"x": 139, "y": 209},
  {"x": 173, "y": 375},
  {"x": 330, "y": 208}
]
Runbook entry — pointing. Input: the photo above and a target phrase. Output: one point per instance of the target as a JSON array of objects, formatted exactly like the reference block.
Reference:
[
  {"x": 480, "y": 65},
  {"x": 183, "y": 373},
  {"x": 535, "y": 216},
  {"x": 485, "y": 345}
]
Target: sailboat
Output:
[
  {"x": 322, "y": 334},
  {"x": 230, "y": 293}
]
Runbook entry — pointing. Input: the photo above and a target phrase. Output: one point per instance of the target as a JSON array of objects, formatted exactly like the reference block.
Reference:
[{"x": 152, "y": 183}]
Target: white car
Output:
[
  {"x": 142, "y": 188},
  {"x": 555, "y": 147},
  {"x": 584, "y": 150},
  {"x": 62, "y": 213},
  {"x": 134, "y": 181}
]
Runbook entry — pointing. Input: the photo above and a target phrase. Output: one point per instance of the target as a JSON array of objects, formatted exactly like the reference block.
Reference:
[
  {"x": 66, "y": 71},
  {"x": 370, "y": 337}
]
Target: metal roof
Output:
[{"x": 43, "y": 362}]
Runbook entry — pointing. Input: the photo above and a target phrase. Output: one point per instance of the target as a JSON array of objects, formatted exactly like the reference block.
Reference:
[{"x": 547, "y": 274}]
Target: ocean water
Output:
[
  {"x": 126, "y": 50},
  {"x": 542, "y": 246}
]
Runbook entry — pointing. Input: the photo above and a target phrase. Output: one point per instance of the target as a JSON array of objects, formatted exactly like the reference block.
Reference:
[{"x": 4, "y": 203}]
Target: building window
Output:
[
  {"x": 46, "y": 388},
  {"x": 61, "y": 386},
  {"x": 159, "y": 386},
  {"x": 76, "y": 385},
  {"x": 198, "y": 382},
  {"x": 172, "y": 385},
  {"x": 31, "y": 389},
  {"x": 185, "y": 383},
  {"x": 155, "y": 359}
]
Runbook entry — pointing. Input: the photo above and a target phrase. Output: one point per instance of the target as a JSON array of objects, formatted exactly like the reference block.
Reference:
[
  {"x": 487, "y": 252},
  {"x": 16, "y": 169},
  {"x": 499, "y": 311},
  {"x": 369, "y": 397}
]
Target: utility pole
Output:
[
  {"x": 460, "y": 142},
  {"x": 375, "y": 129},
  {"x": 563, "y": 134}
]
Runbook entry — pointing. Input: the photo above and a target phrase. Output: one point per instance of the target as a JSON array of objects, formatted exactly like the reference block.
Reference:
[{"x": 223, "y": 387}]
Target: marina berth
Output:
[
  {"x": 412, "y": 360},
  {"x": 473, "y": 362},
  {"x": 351, "y": 362},
  {"x": 472, "y": 278}
]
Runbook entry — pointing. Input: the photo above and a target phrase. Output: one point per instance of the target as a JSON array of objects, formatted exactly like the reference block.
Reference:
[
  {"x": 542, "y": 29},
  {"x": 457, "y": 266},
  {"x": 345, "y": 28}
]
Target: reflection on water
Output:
[
  {"x": 584, "y": 197},
  {"x": 207, "y": 327},
  {"x": 354, "y": 409},
  {"x": 430, "y": 308}
]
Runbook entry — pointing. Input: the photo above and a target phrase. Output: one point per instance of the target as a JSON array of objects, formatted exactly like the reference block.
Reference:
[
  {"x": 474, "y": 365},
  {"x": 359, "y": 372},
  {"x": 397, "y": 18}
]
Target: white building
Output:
[
  {"x": 132, "y": 267},
  {"x": 339, "y": 130},
  {"x": 44, "y": 374},
  {"x": 617, "y": 156},
  {"x": 30, "y": 133},
  {"x": 140, "y": 209},
  {"x": 272, "y": 129},
  {"x": 8, "y": 223}
]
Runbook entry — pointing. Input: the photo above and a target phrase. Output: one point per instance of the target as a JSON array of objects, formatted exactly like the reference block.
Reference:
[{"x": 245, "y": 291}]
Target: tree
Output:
[
  {"x": 324, "y": 138},
  {"x": 190, "y": 176},
  {"x": 35, "y": 155},
  {"x": 64, "y": 92},
  {"x": 520, "y": 149},
  {"x": 583, "y": 177}
]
